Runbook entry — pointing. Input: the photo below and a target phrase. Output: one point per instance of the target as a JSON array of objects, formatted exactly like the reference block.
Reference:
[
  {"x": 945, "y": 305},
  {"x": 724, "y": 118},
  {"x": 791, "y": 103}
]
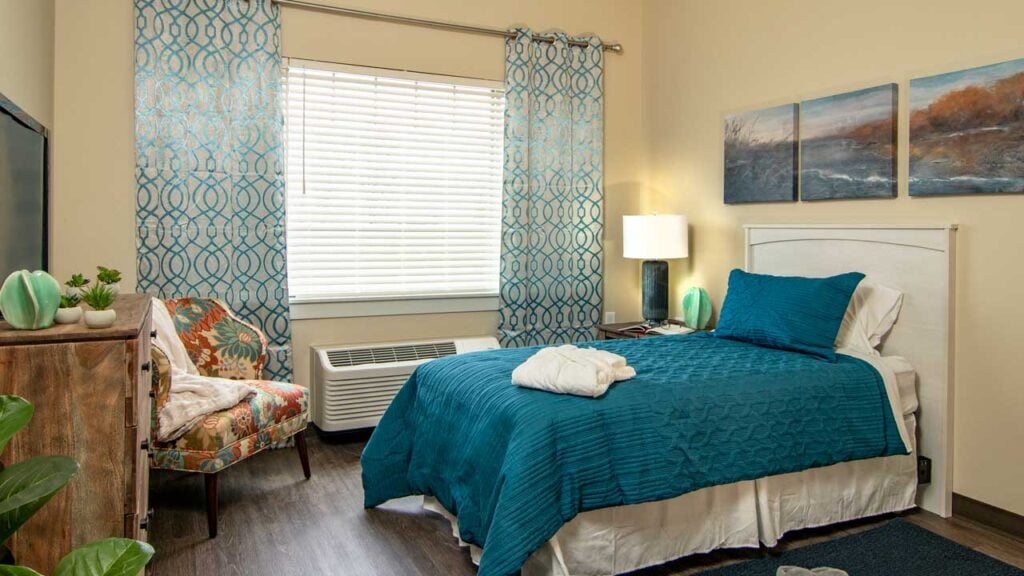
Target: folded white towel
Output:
[
  {"x": 571, "y": 370},
  {"x": 619, "y": 368},
  {"x": 192, "y": 397}
]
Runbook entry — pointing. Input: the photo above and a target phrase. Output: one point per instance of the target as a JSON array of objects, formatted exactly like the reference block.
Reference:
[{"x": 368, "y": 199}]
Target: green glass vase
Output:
[
  {"x": 29, "y": 300},
  {"x": 696, "y": 308}
]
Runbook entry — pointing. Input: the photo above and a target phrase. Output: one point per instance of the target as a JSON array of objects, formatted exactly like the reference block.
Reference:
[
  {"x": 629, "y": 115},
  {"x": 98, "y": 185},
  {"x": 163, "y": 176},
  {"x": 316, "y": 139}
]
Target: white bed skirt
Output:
[
  {"x": 744, "y": 514},
  {"x": 739, "y": 515}
]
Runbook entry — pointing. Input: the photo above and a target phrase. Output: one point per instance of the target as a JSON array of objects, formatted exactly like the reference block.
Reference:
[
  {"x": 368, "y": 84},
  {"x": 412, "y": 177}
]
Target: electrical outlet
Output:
[
  {"x": 609, "y": 317},
  {"x": 924, "y": 470}
]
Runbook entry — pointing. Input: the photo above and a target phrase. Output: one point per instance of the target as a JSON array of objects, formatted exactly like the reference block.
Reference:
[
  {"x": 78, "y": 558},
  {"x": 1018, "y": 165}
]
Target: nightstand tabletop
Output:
[{"x": 618, "y": 330}]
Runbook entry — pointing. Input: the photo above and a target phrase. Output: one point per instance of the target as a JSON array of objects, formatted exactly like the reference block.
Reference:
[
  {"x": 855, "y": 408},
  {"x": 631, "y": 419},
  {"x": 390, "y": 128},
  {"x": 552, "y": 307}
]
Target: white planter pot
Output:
[
  {"x": 100, "y": 318},
  {"x": 68, "y": 315},
  {"x": 74, "y": 290},
  {"x": 115, "y": 288}
]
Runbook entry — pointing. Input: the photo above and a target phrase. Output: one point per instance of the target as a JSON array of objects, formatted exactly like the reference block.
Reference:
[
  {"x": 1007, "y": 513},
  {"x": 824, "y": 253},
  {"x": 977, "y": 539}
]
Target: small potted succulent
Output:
[
  {"x": 110, "y": 278},
  {"x": 76, "y": 285},
  {"x": 69, "y": 312},
  {"x": 99, "y": 298}
]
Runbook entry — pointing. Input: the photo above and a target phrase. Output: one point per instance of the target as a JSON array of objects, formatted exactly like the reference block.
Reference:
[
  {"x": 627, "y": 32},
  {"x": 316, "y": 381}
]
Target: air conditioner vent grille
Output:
[{"x": 388, "y": 354}]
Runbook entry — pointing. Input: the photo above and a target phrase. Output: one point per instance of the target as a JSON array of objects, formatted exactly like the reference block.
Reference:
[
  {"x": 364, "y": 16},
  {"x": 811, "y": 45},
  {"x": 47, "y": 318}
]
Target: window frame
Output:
[{"x": 354, "y": 307}]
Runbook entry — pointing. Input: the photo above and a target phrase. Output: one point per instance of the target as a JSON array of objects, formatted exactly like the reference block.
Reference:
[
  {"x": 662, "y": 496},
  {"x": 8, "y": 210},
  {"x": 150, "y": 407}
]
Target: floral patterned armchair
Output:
[{"x": 223, "y": 346}]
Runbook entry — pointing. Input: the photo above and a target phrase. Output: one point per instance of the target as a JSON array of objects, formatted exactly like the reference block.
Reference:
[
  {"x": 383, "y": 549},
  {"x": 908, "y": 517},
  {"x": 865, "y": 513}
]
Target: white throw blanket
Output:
[
  {"x": 571, "y": 370},
  {"x": 192, "y": 397}
]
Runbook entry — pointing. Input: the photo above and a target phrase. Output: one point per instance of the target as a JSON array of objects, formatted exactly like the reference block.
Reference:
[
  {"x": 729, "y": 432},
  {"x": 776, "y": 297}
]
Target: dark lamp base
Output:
[{"x": 655, "y": 287}]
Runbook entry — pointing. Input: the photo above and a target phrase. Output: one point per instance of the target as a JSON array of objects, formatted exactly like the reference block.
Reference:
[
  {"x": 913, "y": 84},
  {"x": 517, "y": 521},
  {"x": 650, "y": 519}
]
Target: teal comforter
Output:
[{"x": 514, "y": 464}]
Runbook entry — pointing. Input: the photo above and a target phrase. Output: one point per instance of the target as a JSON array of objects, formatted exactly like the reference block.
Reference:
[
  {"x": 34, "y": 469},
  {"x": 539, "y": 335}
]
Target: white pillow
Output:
[{"x": 872, "y": 311}]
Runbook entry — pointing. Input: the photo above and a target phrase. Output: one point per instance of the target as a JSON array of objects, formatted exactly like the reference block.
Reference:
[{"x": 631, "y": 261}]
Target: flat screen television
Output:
[{"x": 23, "y": 191}]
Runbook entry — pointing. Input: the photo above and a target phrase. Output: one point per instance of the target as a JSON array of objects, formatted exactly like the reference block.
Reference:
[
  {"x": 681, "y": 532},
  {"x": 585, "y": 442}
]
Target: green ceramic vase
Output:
[
  {"x": 696, "y": 308},
  {"x": 29, "y": 300}
]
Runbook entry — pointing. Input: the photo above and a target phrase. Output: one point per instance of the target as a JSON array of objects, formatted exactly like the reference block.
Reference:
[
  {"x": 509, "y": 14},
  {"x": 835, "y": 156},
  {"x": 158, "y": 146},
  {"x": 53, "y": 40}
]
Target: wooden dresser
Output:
[{"x": 90, "y": 389}]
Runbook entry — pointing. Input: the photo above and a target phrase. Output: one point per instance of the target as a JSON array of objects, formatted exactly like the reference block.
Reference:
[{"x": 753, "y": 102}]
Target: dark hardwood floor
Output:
[{"x": 273, "y": 522}]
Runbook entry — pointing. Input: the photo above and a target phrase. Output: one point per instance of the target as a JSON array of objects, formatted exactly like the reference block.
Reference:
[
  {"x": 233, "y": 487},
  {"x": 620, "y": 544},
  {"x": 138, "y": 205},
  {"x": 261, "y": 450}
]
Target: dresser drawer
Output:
[
  {"x": 140, "y": 373},
  {"x": 137, "y": 433},
  {"x": 144, "y": 434}
]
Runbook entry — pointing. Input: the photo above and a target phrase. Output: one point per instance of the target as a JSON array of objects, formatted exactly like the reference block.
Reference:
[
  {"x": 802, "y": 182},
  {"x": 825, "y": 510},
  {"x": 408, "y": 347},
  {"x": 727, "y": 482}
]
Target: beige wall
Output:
[
  {"x": 94, "y": 195},
  {"x": 26, "y": 56},
  {"x": 93, "y": 209},
  {"x": 703, "y": 59},
  {"x": 317, "y": 36}
]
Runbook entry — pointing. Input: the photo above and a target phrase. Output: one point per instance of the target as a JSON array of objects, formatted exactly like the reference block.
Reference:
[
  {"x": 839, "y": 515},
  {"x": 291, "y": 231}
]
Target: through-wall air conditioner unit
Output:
[{"x": 354, "y": 384}]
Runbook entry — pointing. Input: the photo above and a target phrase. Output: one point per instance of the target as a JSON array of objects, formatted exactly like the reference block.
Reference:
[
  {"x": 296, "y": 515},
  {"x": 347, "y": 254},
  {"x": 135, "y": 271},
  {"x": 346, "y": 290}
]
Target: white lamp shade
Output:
[{"x": 661, "y": 237}]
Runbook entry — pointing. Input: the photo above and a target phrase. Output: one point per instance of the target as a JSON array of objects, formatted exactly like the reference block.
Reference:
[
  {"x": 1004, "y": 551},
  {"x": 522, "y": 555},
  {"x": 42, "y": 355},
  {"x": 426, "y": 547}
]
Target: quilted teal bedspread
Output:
[{"x": 514, "y": 464}]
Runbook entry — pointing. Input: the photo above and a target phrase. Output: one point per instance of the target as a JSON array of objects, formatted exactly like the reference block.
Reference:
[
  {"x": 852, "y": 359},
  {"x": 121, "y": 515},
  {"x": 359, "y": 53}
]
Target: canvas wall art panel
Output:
[
  {"x": 967, "y": 131},
  {"x": 848, "y": 145},
  {"x": 760, "y": 155}
]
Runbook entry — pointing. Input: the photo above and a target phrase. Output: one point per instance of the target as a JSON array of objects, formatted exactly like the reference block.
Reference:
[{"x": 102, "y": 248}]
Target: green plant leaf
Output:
[
  {"x": 99, "y": 297},
  {"x": 108, "y": 275},
  {"x": 15, "y": 412},
  {"x": 110, "y": 557},
  {"x": 26, "y": 486},
  {"x": 77, "y": 281},
  {"x": 70, "y": 301},
  {"x": 18, "y": 571}
]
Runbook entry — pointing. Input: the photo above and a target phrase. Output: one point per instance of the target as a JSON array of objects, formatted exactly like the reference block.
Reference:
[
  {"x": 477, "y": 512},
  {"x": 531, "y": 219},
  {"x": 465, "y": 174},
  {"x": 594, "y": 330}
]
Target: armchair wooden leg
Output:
[
  {"x": 300, "y": 445},
  {"x": 211, "y": 503}
]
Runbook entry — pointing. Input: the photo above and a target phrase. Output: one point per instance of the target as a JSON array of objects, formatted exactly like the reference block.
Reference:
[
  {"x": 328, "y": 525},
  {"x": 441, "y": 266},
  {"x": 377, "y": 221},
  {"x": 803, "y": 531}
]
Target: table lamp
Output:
[{"x": 655, "y": 239}]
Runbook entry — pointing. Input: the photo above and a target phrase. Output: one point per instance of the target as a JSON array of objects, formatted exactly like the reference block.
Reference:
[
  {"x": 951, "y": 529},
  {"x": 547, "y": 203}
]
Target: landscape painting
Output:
[
  {"x": 848, "y": 145},
  {"x": 967, "y": 131},
  {"x": 760, "y": 156}
]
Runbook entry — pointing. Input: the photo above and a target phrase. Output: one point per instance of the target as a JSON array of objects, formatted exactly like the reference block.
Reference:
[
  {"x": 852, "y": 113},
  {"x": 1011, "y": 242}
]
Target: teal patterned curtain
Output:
[
  {"x": 552, "y": 219},
  {"x": 210, "y": 189}
]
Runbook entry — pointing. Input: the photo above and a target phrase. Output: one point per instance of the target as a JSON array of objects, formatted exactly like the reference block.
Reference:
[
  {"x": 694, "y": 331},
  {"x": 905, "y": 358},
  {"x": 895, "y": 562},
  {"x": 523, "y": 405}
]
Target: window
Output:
[{"x": 394, "y": 184}]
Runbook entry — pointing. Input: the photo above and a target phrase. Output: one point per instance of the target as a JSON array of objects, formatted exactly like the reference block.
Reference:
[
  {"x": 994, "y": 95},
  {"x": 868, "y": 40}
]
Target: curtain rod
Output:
[{"x": 616, "y": 48}]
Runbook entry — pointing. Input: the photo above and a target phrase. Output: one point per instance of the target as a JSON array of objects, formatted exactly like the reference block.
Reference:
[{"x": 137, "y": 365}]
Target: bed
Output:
[{"x": 565, "y": 485}]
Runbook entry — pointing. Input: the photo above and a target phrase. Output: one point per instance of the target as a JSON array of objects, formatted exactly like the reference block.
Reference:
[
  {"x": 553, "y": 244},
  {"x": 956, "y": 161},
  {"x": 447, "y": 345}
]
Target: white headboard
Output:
[{"x": 920, "y": 262}]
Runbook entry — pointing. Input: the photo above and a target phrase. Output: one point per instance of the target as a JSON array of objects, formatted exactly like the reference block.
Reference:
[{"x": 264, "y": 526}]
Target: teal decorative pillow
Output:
[{"x": 786, "y": 312}]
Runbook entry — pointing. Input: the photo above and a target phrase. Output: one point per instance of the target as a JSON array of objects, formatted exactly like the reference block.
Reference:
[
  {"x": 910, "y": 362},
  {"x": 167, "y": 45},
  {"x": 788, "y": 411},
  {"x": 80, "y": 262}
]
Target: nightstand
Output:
[{"x": 618, "y": 331}]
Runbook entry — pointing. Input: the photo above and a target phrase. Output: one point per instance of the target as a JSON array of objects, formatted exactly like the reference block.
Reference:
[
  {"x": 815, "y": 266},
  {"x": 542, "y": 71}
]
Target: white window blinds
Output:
[{"x": 394, "y": 183}]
